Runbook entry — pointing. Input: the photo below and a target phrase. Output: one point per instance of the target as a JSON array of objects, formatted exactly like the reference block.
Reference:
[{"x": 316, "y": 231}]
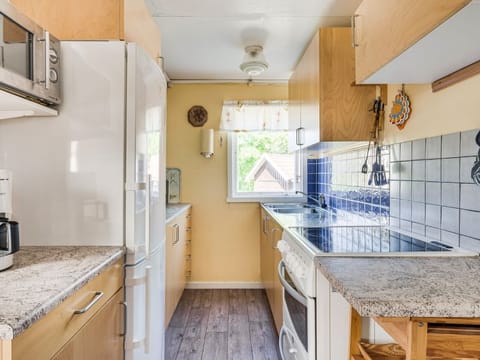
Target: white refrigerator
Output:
[{"x": 95, "y": 175}]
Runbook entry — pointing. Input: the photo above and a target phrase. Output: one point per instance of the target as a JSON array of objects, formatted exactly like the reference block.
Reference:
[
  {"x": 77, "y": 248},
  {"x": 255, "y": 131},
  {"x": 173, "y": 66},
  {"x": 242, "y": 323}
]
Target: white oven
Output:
[
  {"x": 297, "y": 336},
  {"x": 296, "y": 271}
]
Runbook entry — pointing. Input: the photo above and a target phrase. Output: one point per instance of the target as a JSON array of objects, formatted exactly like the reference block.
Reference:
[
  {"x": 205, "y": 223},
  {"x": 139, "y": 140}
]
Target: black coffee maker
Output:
[{"x": 9, "y": 234}]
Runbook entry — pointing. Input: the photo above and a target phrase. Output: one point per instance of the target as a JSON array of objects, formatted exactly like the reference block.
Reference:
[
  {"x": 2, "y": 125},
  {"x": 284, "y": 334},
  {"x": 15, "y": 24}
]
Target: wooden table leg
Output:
[
  {"x": 417, "y": 341},
  {"x": 355, "y": 333}
]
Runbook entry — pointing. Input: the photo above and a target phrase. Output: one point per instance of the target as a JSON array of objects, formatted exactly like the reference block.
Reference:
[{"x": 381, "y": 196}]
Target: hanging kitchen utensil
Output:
[
  {"x": 476, "y": 165},
  {"x": 365, "y": 165},
  {"x": 377, "y": 108},
  {"x": 379, "y": 176},
  {"x": 401, "y": 109}
]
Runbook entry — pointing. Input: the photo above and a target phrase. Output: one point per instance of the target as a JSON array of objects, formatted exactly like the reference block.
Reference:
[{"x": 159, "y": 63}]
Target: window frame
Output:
[{"x": 234, "y": 196}]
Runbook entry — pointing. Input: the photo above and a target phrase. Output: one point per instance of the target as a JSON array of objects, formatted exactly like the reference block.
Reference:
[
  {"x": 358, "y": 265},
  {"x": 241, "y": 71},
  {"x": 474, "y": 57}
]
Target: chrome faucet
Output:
[{"x": 320, "y": 201}]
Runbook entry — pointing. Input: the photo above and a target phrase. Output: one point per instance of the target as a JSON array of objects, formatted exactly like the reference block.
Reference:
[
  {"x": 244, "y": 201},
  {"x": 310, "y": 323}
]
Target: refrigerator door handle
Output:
[
  {"x": 147, "y": 217},
  {"x": 131, "y": 344},
  {"x": 148, "y": 268},
  {"x": 135, "y": 186}
]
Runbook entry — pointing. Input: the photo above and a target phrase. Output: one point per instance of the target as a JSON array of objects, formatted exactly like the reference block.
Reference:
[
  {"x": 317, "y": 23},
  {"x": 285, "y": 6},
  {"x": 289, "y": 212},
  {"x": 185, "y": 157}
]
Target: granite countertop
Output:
[
  {"x": 175, "y": 209},
  {"x": 406, "y": 287},
  {"x": 42, "y": 277}
]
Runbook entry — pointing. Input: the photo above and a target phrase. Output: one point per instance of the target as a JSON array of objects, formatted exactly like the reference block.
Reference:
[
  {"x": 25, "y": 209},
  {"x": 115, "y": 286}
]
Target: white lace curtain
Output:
[{"x": 254, "y": 116}]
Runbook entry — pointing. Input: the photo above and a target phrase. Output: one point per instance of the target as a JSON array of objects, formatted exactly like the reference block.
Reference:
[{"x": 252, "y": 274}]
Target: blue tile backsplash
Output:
[
  {"x": 345, "y": 187},
  {"x": 429, "y": 192}
]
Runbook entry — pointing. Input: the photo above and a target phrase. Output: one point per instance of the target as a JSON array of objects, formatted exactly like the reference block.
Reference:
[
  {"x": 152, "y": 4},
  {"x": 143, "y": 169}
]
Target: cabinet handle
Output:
[
  {"x": 147, "y": 217},
  {"x": 146, "y": 344},
  {"x": 353, "y": 25},
  {"x": 125, "y": 310},
  {"x": 300, "y": 136},
  {"x": 272, "y": 237},
  {"x": 96, "y": 298},
  {"x": 176, "y": 237}
]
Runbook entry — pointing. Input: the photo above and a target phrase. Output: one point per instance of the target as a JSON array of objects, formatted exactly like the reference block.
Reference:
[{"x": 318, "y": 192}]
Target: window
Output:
[{"x": 259, "y": 165}]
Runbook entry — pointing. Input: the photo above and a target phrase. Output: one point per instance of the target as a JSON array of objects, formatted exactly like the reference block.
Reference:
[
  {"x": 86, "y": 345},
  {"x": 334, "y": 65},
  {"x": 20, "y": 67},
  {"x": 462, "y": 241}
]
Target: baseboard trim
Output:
[{"x": 223, "y": 285}]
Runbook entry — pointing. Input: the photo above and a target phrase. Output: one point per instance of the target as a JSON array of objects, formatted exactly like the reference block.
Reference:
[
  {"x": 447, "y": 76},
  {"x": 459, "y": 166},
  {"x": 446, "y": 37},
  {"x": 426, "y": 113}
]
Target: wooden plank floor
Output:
[{"x": 216, "y": 324}]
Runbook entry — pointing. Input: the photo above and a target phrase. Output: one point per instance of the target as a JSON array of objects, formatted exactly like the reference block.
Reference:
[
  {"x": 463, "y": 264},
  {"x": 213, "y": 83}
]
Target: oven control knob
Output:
[
  {"x": 53, "y": 56},
  {"x": 53, "y": 75}
]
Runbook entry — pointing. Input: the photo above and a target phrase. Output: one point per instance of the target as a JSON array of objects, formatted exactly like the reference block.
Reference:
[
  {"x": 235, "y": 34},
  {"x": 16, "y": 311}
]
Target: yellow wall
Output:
[
  {"x": 449, "y": 110},
  {"x": 225, "y": 245}
]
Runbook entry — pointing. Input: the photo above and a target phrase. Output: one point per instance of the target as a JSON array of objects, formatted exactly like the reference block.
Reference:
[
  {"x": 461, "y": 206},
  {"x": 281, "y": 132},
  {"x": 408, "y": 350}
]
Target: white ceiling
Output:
[{"x": 205, "y": 39}]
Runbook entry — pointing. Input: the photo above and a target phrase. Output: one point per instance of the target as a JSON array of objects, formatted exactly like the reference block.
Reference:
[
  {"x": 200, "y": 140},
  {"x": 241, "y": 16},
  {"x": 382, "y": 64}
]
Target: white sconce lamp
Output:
[{"x": 207, "y": 143}]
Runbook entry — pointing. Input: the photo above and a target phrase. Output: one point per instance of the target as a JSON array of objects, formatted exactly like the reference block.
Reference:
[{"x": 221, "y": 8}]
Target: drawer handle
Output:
[{"x": 96, "y": 298}]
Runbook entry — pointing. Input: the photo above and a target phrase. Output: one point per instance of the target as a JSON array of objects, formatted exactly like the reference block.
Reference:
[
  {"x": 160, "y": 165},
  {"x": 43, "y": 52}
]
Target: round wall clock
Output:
[{"x": 197, "y": 115}]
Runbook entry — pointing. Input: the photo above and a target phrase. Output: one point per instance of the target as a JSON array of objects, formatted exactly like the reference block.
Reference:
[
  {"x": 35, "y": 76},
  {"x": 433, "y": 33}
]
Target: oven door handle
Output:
[
  {"x": 294, "y": 293},
  {"x": 282, "y": 334}
]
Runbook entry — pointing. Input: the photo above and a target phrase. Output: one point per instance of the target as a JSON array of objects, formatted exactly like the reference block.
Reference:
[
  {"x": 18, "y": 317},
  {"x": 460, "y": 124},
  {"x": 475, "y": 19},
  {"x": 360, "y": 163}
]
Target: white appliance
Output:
[
  {"x": 30, "y": 58},
  {"x": 297, "y": 273},
  {"x": 9, "y": 238},
  {"x": 95, "y": 175}
]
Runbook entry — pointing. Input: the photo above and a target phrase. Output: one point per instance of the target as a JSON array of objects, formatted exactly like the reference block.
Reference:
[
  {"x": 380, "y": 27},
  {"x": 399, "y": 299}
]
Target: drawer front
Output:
[{"x": 44, "y": 338}]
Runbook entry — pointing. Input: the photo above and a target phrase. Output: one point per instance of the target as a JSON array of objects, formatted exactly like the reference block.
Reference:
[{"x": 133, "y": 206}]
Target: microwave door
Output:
[{"x": 16, "y": 48}]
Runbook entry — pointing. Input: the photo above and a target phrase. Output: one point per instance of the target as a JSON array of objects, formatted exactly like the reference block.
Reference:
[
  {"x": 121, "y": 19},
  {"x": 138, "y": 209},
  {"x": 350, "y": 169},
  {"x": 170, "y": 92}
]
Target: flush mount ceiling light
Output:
[{"x": 254, "y": 62}]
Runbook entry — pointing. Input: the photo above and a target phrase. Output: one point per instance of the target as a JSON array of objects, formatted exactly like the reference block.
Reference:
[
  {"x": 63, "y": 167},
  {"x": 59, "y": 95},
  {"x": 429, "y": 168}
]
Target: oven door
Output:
[{"x": 298, "y": 316}]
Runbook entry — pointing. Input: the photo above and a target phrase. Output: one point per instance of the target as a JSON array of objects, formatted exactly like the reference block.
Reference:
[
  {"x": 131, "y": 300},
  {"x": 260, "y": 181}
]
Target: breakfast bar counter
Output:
[
  {"x": 44, "y": 276},
  {"x": 406, "y": 286}
]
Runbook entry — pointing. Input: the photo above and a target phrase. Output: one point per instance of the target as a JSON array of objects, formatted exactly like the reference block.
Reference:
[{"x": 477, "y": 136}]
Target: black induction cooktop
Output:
[{"x": 357, "y": 240}]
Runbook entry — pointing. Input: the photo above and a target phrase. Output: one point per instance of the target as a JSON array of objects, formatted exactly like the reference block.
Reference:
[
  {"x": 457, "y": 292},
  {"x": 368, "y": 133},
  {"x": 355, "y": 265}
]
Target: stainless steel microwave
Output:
[{"x": 29, "y": 58}]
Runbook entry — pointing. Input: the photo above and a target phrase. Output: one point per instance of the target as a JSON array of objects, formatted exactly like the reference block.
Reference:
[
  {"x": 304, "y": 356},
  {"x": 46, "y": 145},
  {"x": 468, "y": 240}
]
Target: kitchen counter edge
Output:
[
  {"x": 44, "y": 262},
  {"x": 173, "y": 210},
  {"x": 403, "y": 286}
]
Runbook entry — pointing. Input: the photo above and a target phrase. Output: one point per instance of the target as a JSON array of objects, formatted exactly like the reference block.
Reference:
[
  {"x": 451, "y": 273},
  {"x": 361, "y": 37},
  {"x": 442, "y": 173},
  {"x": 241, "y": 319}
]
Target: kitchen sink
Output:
[{"x": 294, "y": 208}]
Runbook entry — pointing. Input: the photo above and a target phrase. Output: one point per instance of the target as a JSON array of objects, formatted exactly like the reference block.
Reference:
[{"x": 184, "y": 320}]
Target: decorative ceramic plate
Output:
[
  {"x": 197, "y": 115},
  {"x": 401, "y": 109}
]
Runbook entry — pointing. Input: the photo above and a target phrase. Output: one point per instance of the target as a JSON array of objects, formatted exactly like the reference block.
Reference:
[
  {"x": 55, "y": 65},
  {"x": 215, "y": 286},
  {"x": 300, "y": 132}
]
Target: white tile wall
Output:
[{"x": 431, "y": 191}]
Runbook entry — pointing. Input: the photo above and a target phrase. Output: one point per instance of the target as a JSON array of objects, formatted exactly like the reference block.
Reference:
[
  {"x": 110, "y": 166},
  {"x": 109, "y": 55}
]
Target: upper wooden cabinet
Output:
[
  {"x": 410, "y": 41},
  {"x": 323, "y": 98},
  {"x": 127, "y": 20}
]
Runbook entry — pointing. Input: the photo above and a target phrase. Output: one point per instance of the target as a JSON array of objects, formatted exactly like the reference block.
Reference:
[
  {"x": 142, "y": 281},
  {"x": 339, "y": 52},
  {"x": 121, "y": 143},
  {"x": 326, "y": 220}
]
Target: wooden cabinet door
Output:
[
  {"x": 181, "y": 254},
  {"x": 310, "y": 92},
  {"x": 325, "y": 101},
  {"x": 294, "y": 110},
  {"x": 344, "y": 109},
  {"x": 277, "y": 309},
  {"x": 266, "y": 257},
  {"x": 277, "y": 289},
  {"x": 101, "y": 337},
  {"x": 385, "y": 29},
  {"x": 170, "y": 271},
  {"x": 176, "y": 262}
]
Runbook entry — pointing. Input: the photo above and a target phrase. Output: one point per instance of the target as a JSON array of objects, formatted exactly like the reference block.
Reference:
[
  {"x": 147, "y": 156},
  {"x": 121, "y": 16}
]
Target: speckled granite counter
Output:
[
  {"x": 175, "y": 209},
  {"x": 407, "y": 287},
  {"x": 44, "y": 276}
]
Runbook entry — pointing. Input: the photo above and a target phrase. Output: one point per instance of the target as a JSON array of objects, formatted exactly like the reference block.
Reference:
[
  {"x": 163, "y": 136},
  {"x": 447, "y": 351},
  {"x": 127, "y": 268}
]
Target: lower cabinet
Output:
[
  {"x": 100, "y": 338},
  {"x": 87, "y": 325},
  {"x": 270, "y": 257},
  {"x": 178, "y": 258},
  {"x": 277, "y": 306}
]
